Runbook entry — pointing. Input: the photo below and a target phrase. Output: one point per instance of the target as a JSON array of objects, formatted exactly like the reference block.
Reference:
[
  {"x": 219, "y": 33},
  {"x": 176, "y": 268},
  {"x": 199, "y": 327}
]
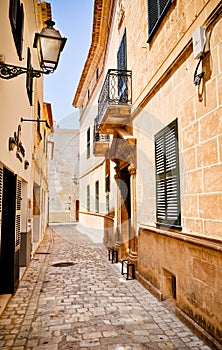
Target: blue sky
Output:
[{"x": 73, "y": 19}]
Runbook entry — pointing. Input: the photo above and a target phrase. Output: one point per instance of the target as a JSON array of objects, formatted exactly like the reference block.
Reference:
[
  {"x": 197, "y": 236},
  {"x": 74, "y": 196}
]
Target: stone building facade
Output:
[
  {"x": 64, "y": 176},
  {"x": 150, "y": 99},
  {"x": 23, "y": 151}
]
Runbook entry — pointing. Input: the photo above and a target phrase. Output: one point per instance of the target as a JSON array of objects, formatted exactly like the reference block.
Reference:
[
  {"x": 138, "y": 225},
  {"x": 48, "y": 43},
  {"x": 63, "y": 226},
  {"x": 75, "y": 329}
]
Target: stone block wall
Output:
[{"x": 195, "y": 265}]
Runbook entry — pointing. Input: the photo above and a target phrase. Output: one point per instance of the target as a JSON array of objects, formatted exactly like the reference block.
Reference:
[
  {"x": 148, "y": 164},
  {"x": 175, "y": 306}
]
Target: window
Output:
[
  {"x": 107, "y": 203},
  {"x": 156, "y": 12},
  {"x": 168, "y": 211},
  {"x": 97, "y": 74},
  {"x": 88, "y": 197},
  {"x": 121, "y": 54},
  {"x": 122, "y": 65},
  {"x": 16, "y": 15},
  {"x": 97, "y": 196},
  {"x": 38, "y": 117},
  {"x": 88, "y": 143},
  {"x": 29, "y": 78},
  {"x": 107, "y": 183}
]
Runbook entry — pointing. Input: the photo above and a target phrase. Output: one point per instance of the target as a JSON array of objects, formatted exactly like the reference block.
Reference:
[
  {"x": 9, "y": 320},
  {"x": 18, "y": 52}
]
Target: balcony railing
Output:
[
  {"x": 100, "y": 141},
  {"x": 116, "y": 90}
]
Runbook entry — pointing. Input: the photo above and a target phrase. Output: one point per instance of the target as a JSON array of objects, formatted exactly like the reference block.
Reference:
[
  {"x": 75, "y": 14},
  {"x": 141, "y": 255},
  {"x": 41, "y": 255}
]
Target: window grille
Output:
[
  {"x": 156, "y": 12},
  {"x": 167, "y": 176}
]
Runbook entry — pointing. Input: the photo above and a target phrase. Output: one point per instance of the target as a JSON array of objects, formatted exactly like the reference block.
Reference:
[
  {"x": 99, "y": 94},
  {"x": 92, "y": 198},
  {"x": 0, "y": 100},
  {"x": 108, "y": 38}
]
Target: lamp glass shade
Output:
[{"x": 49, "y": 44}]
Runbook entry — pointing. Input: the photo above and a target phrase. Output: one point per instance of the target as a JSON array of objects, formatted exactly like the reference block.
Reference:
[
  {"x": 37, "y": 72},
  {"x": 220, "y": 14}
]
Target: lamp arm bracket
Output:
[
  {"x": 9, "y": 71},
  {"x": 36, "y": 121}
]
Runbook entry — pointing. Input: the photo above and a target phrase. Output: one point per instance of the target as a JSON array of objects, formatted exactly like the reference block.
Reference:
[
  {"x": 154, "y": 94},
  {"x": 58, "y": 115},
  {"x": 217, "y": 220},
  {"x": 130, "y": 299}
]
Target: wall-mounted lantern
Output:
[{"x": 49, "y": 44}]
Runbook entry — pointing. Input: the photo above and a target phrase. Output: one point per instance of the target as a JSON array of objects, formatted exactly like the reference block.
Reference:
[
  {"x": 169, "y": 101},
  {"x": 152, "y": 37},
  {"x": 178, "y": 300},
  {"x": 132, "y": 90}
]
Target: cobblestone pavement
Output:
[{"x": 88, "y": 305}]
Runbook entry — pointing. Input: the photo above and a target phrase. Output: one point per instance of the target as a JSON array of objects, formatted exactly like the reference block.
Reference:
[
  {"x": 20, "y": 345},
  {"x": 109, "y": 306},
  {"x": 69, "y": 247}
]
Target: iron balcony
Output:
[{"x": 115, "y": 100}]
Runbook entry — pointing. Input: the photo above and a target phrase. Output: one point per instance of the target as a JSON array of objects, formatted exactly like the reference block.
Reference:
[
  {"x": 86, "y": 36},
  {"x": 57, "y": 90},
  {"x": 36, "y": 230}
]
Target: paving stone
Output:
[{"x": 86, "y": 306}]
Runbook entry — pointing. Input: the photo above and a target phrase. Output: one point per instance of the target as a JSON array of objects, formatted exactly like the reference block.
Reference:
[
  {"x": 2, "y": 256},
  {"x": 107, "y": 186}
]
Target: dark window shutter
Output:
[
  {"x": 29, "y": 78},
  {"x": 88, "y": 143},
  {"x": 122, "y": 54},
  {"x": 97, "y": 196},
  {"x": 16, "y": 16},
  {"x": 153, "y": 13},
  {"x": 156, "y": 11},
  {"x": 20, "y": 31},
  {"x": 107, "y": 187},
  {"x": 18, "y": 208},
  {"x": 38, "y": 118},
  {"x": 13, "y": 13},
  {"x": 167, "y": 176}
]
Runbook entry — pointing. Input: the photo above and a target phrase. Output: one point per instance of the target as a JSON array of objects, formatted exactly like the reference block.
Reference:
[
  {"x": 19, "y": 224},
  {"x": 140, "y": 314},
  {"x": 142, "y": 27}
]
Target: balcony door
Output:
[{"x": 122, "y": 66}]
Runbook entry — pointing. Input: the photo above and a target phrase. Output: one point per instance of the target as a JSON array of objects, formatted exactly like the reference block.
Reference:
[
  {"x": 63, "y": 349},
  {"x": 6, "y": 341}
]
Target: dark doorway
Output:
[
  {"x": 10, "y": 236},
  {"x": 125, "y": 206}
]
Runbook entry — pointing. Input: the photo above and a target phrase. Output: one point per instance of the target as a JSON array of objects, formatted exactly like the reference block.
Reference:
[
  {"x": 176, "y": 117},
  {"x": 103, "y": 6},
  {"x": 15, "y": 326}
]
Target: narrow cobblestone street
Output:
[{"x": 87, "y": 305}]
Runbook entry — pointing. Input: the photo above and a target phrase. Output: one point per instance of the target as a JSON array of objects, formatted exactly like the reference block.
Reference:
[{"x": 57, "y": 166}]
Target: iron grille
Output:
[
  {"x": 97, "y": 137},
  {"x": 116, "y": 90}
]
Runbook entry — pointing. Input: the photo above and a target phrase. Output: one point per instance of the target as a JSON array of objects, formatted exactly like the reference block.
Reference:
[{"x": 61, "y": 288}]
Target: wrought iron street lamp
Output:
[{"x": 49, "y": 44}]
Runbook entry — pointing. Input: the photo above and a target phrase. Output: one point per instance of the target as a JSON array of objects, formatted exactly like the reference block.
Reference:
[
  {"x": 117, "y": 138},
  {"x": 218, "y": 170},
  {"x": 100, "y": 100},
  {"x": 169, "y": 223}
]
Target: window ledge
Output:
[{"x": 196, "y": 239}]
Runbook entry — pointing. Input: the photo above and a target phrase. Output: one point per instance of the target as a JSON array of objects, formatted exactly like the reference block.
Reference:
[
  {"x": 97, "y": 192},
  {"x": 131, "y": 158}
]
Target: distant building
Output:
[
  {"x": 64, "y": 176},
  {"x": 150, "y": 101}
]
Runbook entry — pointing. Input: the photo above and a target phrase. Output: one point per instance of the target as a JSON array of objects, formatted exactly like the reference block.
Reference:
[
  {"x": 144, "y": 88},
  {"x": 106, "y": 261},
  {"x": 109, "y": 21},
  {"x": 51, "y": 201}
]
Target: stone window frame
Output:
[{"x": 168, "y": 206}]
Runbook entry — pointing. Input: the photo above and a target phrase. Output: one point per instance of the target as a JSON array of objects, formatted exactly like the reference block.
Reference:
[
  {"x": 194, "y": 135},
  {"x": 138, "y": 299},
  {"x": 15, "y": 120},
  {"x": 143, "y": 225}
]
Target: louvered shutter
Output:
[
  {"x": 18, "y": 212},
  {"x": 156, "y": 11},
  {"x": 1, "y": 191},
  {"x": 167, "y": 176}
]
